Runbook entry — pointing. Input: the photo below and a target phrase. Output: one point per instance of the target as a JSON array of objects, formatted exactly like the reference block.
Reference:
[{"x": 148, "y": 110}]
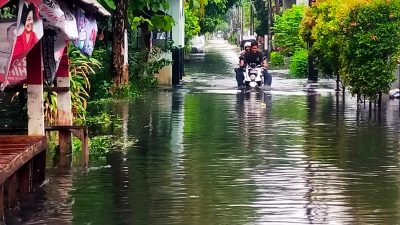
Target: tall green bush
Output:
[
  {"x": 358, "y": 40},
  {"x": 286, "y": 30},
  {"x": 192, "y": 27},
  {"x": 371, "y": 41},
  {"x": 277, "y": 59},
  {"x": 324, "y": 35},
  {"x": 142, "y": 70},
  {"x": 299, "y": 64},
  {"x": 102, "y": 80}
]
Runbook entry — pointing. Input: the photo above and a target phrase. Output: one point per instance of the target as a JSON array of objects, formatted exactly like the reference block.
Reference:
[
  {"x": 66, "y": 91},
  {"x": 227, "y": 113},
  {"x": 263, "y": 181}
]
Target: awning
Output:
[{"x": 91, "y": 6}]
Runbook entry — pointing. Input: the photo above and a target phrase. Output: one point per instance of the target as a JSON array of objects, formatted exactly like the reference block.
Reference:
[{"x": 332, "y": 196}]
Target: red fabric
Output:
[
  {"x": 3, "y": 2},
  {"x": 63, "y": 69},
  {"x": 22, "y": 45}
]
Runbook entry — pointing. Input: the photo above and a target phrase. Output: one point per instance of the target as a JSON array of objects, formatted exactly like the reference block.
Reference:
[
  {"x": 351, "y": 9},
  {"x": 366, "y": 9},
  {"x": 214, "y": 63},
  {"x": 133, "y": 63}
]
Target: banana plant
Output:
[{"x": 81, "y": 67}]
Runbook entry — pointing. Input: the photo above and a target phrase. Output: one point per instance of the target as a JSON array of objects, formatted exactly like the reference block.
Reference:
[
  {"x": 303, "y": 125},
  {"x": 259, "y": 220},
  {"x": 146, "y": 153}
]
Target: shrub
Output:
[
  {"x": 299, "y": 64},
  {"x": 286, "y": 30},
  {"x": 144, "y": 66},
  {"x": 277, "y": 59},
  {"x": 102, "y": 80}
]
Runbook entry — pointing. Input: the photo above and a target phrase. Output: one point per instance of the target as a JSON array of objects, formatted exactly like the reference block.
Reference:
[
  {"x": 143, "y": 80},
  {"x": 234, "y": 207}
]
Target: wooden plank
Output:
[
  {"x": 15, "y": 145},
  {"x": 12, "y": 190},
  {"x": 39, "y": 168},
  {"x": 10, "y": 152},
  {"x": 56, "y": 89},
  {"x": 56, "y": 128},
  {"x": 85, "y": 149},
  {"x": 25, "y": 179},
  {"x": 16, "y": 161},
  {"x": 65, "y": 141},
  {"x": 1, "y": 203},
  {"x": 18, "y": 139},
  {"x": 13, "y": 149}
]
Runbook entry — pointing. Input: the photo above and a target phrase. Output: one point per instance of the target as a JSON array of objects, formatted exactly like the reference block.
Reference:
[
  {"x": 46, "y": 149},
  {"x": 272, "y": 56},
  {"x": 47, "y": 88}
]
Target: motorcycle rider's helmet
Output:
[{"x": 247, "y": 44}]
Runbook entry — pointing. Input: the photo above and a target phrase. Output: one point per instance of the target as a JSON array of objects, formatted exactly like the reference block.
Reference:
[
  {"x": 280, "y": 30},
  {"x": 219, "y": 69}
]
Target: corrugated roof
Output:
[{"x": 92, "y": 6}]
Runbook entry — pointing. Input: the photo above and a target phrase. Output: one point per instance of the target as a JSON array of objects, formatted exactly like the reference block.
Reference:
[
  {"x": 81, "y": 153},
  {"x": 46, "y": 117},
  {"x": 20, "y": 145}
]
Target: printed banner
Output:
[
  {"x": 8, "y": 34},
  {"x": 57, "y": 15},
  {"x": 54, "y": 43},
  {"x": 3, "y": 2},
  {"x": 60, "y": 26},
  {"x": 87, "y": 29},
  {"x": 24, "y": 27},
  {"x": 29, "y": 30}
]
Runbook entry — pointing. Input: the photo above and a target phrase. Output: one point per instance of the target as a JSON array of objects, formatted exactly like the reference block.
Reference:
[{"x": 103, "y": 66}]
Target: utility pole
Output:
[
  {"x": 269, "y": 29},
  {"x": 312, "y": 71},
  {"x": 251, "y": 18}
]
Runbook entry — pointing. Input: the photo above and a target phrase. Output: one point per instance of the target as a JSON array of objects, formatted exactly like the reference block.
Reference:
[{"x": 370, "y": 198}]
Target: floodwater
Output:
[{"x": 206, "y": 153}]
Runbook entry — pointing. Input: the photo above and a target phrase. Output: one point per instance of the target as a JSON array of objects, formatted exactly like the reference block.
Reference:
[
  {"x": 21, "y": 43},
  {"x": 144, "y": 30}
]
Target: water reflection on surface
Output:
[
  {"x": 224, "y": 156},
  {"x": 236, "y": 158}
]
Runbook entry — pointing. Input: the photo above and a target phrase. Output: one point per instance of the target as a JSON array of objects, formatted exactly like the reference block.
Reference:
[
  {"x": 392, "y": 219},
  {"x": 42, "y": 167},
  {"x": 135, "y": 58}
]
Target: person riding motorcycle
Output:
[
  {"x": 247, "y": 47},
  {"x": 239, "y": 71},
  {"x": 253, "y": 56}
]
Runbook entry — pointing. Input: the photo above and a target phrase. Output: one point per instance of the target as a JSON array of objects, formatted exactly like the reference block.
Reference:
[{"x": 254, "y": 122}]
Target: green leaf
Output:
[{"x": 111, "y": 4}]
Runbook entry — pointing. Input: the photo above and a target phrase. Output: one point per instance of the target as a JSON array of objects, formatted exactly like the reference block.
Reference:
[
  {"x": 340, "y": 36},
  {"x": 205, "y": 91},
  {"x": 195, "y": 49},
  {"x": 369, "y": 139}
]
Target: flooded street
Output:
[{"x": 207, "y": 153}]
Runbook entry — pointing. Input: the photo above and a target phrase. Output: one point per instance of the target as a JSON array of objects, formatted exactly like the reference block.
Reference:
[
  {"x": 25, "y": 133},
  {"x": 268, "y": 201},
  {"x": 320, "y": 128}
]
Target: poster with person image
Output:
[
  {"x": 87, "y": 30},
  {"x": 30, "y": 30},
  {"x": 8, "y": 34}
]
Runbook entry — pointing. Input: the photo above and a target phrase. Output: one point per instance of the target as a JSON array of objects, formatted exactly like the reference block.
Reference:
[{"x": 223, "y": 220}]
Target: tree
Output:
[
  {"x": 149, "y": 15},
  {"x": 215, "y": 12},
  {"x": 358, "y": 40},
  {"x": 286, "y": 30},
  {"x": 119, "y": 21},
  {"x": 370, "y": 44},
  {"x": 192, "y": 27}
]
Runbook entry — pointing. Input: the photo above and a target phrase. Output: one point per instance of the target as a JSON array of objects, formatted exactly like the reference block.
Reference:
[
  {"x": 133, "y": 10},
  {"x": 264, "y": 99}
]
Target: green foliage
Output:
[
  {"x": 8, "y": 12},
  {"x": 151, "y": 13},
  {"x": 286, "y": 30},
  {"x": 50, "y": 107},
  {"x": 372, "y": 40},
  {"x": 143, "y": 68},
  {"x": 262, "y": 16},
  {"x": 357, "y": 40},
  {"x": 104, "y": 119},
  {"x": 208, "y": 25},
  {"x": 109, "y": 4},
  {"x": 81, "y": 67},
  {"x": 215, "y": 12},
  {"x": 277, "y": 59},
  {"x": 324, "y": 35},
  {"x": 125, "y": 91},
  {"x": 299, "y": 64},
  {"x": 100, "y": 146},
  {"x": 101, "y": 82},
  {"x": 192, "y": 27},
  {"x": 233, "y": 38}
]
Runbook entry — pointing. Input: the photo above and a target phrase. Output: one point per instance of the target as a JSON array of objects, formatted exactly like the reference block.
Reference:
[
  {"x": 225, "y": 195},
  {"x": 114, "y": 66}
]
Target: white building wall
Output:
[
  {"x": 176, "y": 10},
  {"x": 301, "y": 2}
]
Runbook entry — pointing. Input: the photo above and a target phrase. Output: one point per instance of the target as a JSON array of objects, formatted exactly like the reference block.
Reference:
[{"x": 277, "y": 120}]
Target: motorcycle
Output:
[{"x": 253, "y": 75}]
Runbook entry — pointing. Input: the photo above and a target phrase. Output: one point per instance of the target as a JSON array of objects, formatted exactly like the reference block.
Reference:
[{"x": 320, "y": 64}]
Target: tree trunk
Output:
[
  {"x": 146, "y": 37},
  {"x": 120, "y": 70}
]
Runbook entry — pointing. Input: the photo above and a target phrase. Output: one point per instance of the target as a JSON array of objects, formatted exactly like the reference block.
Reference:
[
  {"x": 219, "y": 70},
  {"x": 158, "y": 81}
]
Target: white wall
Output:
[
  {"x": 301, "y": 2},
  {"x": 176, "y": 10}
]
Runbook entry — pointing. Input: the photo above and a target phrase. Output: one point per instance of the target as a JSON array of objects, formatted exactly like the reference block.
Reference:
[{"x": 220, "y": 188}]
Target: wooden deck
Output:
[{"x": 22, "y": 164}]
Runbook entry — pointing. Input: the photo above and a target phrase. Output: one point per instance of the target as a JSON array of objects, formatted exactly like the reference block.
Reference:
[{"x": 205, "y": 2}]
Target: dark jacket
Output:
[{"x": 250, "y": 57}]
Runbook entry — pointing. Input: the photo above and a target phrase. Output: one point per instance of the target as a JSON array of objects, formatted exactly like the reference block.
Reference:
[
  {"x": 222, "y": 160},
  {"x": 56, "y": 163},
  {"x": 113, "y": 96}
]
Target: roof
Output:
[{"x": 91, "y": 6}]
